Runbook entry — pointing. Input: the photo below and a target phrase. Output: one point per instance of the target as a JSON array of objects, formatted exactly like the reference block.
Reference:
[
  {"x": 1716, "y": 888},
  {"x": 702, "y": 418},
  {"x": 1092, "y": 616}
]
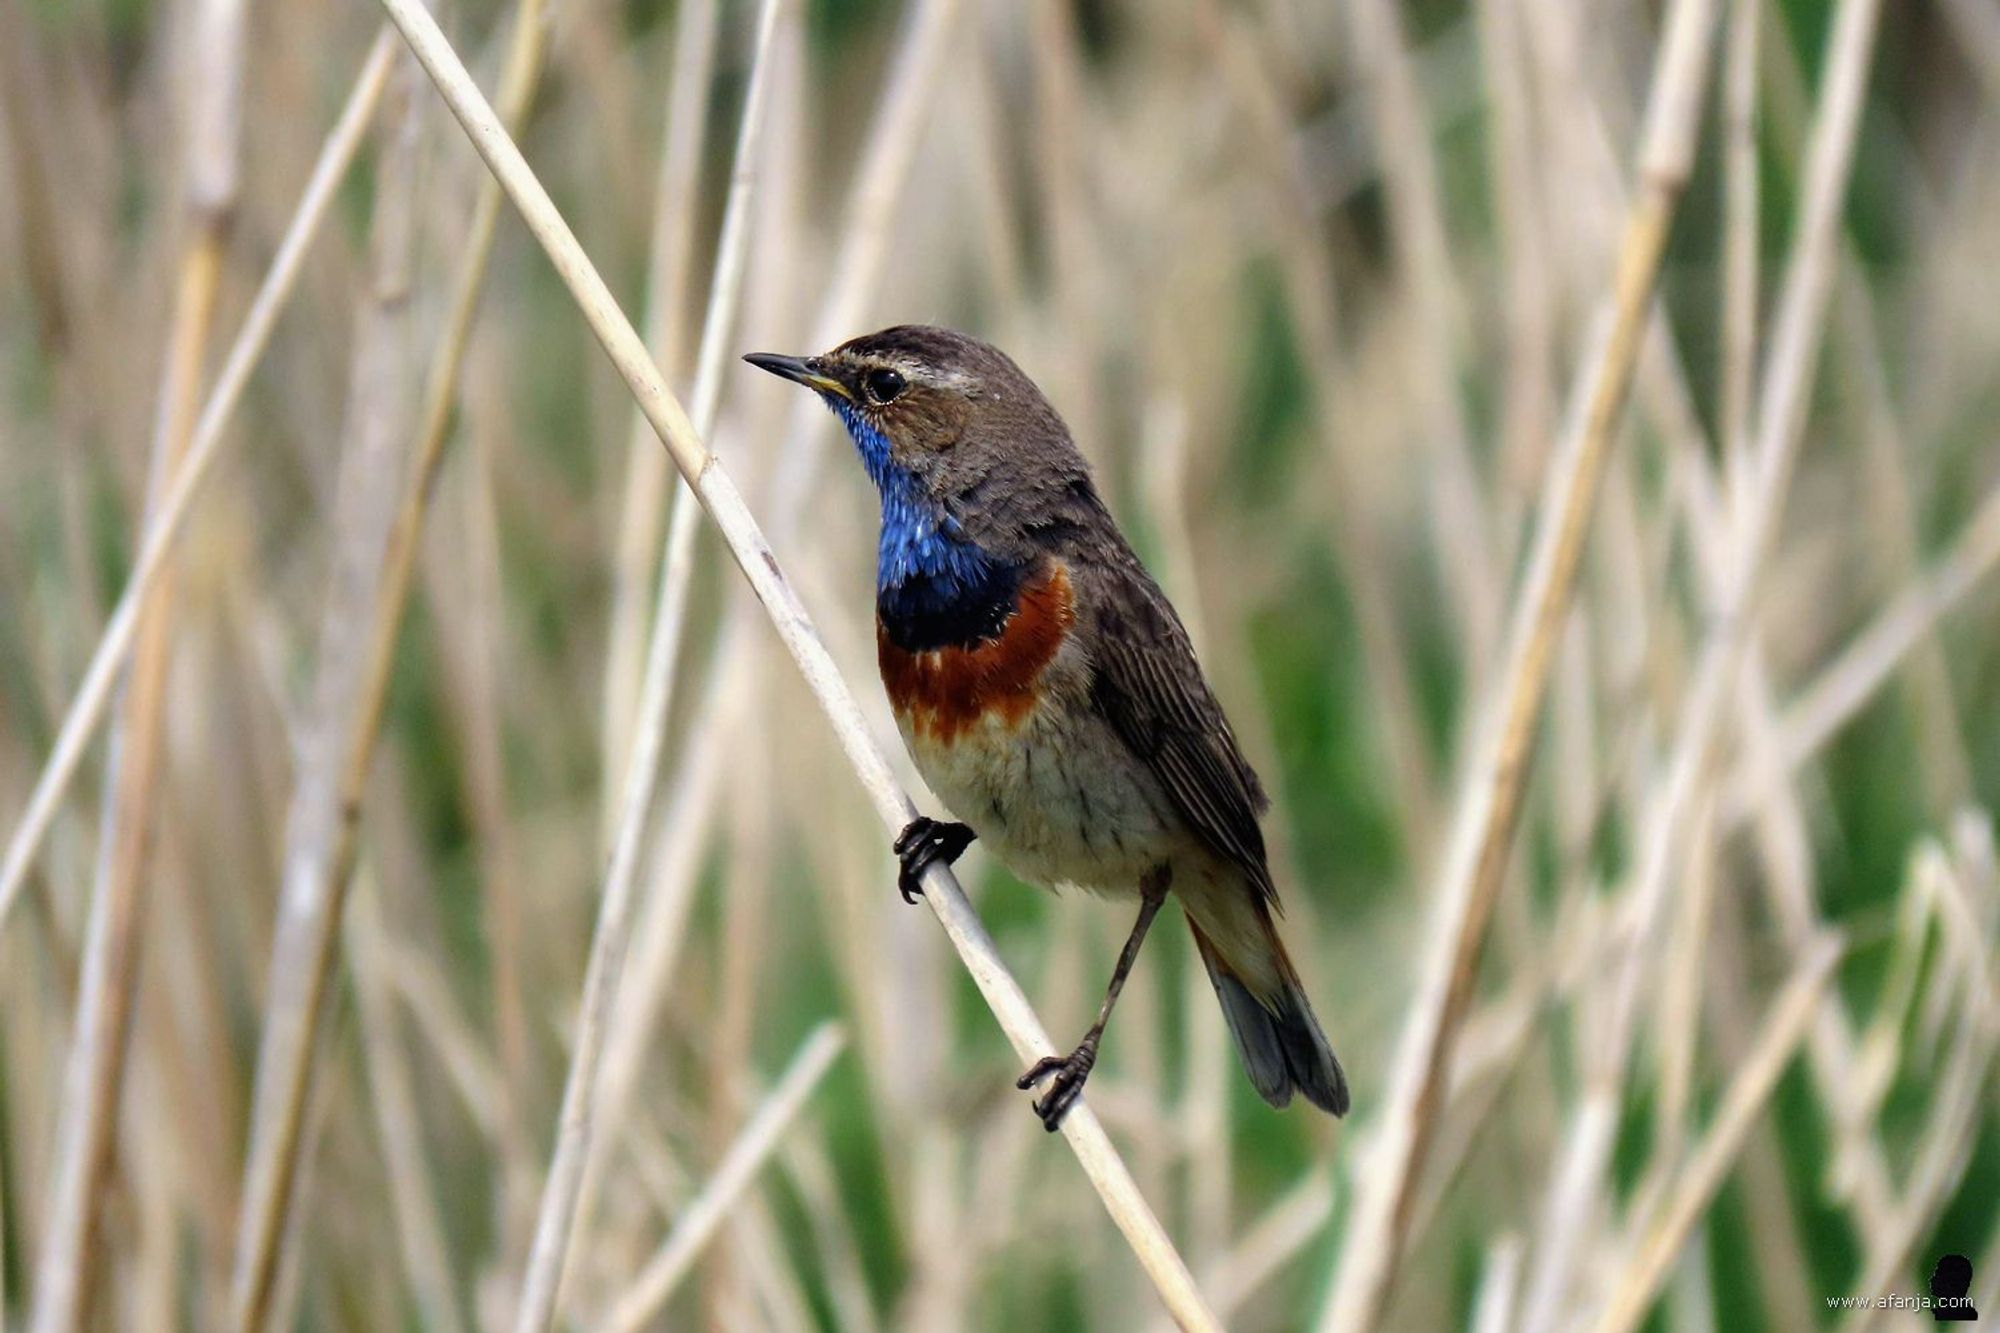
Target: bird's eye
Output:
[{"x": 883, "y": 386}]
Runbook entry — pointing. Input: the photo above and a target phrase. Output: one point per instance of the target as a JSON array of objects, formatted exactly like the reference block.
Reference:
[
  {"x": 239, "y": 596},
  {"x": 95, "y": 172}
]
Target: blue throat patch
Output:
[{"x": 933, "y": 586}]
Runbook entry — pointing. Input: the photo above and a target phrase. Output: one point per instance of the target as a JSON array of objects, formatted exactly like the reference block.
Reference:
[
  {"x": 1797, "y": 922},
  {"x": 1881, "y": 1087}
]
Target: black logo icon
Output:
[{"x": 1951, "y": 1283}]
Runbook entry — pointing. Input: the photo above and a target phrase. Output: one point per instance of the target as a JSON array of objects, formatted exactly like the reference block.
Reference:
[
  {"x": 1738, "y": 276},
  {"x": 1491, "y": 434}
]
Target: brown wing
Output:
[{"x": 1147, "y": 684}]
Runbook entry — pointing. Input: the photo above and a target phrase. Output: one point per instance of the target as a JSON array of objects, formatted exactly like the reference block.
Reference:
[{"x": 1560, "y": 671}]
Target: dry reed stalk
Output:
[
  {"x": 885, "y": 163},
  {"x": 660, "y": 929},
  {"x": 669, "y": 279},
  {"x": 1781, "y": 1248},
  {"x": 936, "y": 1208},
  {"x": 1864, "y": 373},
  {"x": 107, "y": 987},
  {"x": 1583, "y": 121},
  {"x": 1729, "y": 599},
  {"x": 1938, "y": 1166},
  {"x": 1470, "y": 555},
  {"x": 1311, "y": 297},
  {"x": 1677, "y": 1004},
  {"x": 1679, "y": 998},
  {"x": 190, "y": 1075},
  {"x": 1782, "y": 841},
  {"x": 1483, "y": 831},
  {"x": 734, "y": 1171},
  {"x": 1529, "y": 406},
  {"x": 1942, "y": 1153},
  {"x": 1710, "y": 1163},
  {"x": 520, "y": 76},
  {"x": 1499, "y": 1284},
  {"x": 153, "y": 1274},
  {"x": 336, "y": 740},
  {"x": 291, "y": 1278},
  {"x": 570, "y": 1162},
  {"x": 720, "y": 497},
  {"x": 676, "y": 564},
  {"x": 1525, "y": 183},
  {"x": 1844, "y": 685},
  {"x": 746, "y": 918},
  {"x": 1641, "y": 642},
  {"x": 380, "y": 545},
  {"x": 1275, "y": 1239},
  {"x": 1739, "y": 243},
  {"x": 412, "y": 1193},
  {"x": 1780, "y": 426},
  {"x": 880, "y": 178},
  {"x": 435, "y": 1013},
  {"x": 1937, "y": 719},
  {"x": 87, "y": 707},
  {"x": 1496, "y": 1040},
  {"x": 810, "y": 1172},
  {"x": 775, "y": 1282},
  {"x": 107, "y": 984},
  {"x": 897, "y": 982},
  {"x": 1001, "y": 1158},
  {"x": 463, "y": 588},
  {"x": 1859, "y": 1175}
]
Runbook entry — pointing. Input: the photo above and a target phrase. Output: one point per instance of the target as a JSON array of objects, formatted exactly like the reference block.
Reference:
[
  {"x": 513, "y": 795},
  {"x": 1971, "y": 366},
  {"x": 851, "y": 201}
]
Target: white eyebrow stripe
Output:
[{"x": 923, "y": 372}]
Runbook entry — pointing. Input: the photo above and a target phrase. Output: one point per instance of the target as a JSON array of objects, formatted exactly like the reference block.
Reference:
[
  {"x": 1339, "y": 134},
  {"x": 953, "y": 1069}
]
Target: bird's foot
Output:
[
  {"x": 1070, "y": 1071},
  {"x": 923, "y": 841}
]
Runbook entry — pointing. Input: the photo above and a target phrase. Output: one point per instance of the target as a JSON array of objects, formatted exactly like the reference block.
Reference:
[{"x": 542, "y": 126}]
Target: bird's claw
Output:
[
  {"x": 925, "y": 840},
  {"x": 1070, "y": 1072}
]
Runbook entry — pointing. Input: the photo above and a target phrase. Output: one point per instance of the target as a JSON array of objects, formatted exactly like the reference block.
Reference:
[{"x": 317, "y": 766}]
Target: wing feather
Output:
[{"x": 1147, "y": 684}]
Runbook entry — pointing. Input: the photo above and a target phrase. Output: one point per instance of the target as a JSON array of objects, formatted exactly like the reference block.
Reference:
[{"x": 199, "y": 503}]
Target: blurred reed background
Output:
[{"x": 1324, "y": 291}]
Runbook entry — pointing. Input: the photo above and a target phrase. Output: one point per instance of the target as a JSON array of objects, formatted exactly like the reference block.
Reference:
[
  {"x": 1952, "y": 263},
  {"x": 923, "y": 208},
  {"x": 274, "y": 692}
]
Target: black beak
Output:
[{"x": 800, "y": 370}]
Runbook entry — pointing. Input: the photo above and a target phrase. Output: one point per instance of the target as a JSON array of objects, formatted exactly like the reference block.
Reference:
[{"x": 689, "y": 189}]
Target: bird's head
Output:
[
  {"x": 920, "y": 402},
  {"x": 963, "y": 447}
]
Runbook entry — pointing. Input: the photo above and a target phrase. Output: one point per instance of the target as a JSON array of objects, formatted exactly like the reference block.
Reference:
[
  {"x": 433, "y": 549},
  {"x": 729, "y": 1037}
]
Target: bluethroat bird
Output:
[{"x": 1048, "y": 692}]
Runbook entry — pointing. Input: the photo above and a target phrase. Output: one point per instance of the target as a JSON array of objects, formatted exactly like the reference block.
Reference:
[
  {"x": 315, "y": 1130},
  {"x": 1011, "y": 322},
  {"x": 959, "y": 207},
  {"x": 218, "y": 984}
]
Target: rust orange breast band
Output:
[{"x": 945, "y": 691}]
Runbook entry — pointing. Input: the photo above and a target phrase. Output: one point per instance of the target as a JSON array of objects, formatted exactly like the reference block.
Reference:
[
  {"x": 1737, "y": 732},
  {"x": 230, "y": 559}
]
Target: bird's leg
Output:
[
  {"x": 1071, "y": 1070},
  {"x": 922, "y": 841}
]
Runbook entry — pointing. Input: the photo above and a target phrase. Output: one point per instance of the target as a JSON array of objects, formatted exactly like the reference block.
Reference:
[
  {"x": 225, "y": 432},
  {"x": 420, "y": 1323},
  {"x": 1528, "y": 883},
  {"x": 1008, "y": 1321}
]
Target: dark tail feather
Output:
[{"x": 1280, "y": 1044}]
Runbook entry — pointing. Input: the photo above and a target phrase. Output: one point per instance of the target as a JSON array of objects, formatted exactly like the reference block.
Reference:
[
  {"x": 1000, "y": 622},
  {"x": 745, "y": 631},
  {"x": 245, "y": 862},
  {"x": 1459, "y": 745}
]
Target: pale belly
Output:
[{"x": 1054, "y": 795}]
